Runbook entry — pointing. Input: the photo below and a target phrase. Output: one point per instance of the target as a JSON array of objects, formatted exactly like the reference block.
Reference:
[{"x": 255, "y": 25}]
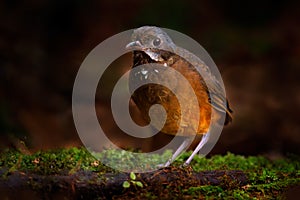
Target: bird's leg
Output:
[
  {"x": 184, "y": 144},
  {"x": 203, "y": 141}
]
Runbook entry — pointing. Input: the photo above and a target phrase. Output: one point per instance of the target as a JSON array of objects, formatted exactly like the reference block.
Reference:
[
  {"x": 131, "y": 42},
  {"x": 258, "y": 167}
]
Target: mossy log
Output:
[{"x": 89, "y": 185}]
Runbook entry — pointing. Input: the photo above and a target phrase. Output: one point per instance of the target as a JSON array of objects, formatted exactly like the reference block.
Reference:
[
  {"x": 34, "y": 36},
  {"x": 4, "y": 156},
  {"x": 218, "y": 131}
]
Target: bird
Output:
[{"x": 150, "y": 44}]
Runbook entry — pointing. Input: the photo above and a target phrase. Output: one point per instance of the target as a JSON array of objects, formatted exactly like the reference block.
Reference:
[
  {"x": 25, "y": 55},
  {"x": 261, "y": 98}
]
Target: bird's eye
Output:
[{"x": 156, "y": 42}]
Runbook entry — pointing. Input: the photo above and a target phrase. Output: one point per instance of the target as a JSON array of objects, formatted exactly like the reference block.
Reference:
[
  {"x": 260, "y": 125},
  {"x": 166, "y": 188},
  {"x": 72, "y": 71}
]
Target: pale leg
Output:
[
  {"x": 184, "y": 144},
  {"x": 203, "y": 141}
]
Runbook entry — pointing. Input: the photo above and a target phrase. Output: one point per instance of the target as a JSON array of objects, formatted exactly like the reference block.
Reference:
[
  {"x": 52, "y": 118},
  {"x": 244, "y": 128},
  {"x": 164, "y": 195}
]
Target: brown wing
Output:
[{"x": 216, "y": 91}]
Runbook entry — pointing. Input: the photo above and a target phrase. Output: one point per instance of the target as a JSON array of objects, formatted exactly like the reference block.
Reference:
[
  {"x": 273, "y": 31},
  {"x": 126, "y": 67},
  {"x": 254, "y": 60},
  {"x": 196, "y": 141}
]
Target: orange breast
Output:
[{"x": 151, "y": 94}]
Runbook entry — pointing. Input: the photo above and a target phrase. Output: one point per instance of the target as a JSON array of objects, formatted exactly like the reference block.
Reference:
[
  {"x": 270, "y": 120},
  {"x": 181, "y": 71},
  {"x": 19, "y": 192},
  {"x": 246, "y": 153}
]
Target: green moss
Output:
[
  {"x": 52, "y": 162},
  {"x": 267, "y": 178}
]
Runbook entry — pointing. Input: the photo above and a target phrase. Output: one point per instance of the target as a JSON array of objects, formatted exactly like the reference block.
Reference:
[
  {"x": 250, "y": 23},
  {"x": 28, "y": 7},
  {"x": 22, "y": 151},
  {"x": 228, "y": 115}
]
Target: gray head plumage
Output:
[{"x": 147, "y": 38}]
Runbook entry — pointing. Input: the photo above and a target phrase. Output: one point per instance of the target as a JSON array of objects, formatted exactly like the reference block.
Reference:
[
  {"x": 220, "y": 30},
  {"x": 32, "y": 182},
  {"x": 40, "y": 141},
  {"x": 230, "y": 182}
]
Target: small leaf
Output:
[
  {"x": 139, "y": 183},
  {"x": 126, "y": 184},
  {"x": 132, "y": 176}
]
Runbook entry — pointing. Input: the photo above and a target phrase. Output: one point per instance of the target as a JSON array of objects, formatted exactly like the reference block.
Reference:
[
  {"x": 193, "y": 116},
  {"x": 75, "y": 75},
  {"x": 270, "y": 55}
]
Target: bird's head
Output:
[{"x": 150, "y": 39}]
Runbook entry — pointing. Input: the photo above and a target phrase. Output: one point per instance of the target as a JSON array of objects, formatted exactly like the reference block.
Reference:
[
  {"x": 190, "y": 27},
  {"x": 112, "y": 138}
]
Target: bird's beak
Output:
[{"x": 134, "y": 45}]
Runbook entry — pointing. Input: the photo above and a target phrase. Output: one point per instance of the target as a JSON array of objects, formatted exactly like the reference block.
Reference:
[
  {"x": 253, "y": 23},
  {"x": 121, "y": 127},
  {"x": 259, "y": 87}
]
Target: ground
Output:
[{"x": 75, "y": 174}]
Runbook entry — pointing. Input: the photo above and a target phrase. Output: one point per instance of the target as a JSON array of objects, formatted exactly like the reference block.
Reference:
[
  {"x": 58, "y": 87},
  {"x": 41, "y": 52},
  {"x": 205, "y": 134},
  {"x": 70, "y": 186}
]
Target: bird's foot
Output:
[{"x": 185, "y": 164}]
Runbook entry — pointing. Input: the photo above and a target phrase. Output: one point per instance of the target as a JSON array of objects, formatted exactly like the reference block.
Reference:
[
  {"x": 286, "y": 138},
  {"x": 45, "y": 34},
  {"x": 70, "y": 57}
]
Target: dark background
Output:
[{"x": 255, "y": 44}]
